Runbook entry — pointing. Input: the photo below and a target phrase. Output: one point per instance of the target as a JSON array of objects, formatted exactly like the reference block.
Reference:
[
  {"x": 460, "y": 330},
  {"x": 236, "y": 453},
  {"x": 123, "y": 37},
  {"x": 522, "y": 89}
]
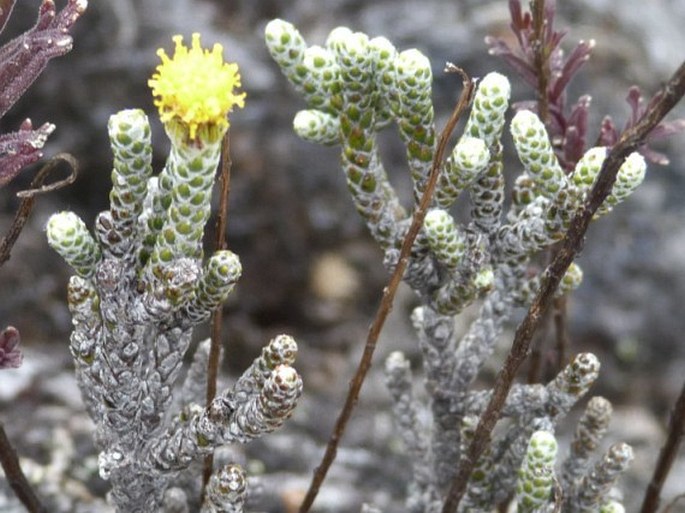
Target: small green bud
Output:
[
  {"x": 469, "y": 158},
  {"x": 571, "y": 280},
  {"x": 287, "y": 46},
  {"x": 490, "y": 103},
  {"x": 337, "y": 36},
  {"x": 630, "y": 175},
  {"x": 68, "y": 235},
  {"x": 484, "y": 280},
  {"x": 471, "y": 155},
  {"x": 317, "y": 127},
  {"x": 444, "y": 239},
  {"x": 536, "y": 476},
  {"x": 612, "y": 507},
  {"x": 536, "y": 154},
  {"x": 588, "y": 167}
]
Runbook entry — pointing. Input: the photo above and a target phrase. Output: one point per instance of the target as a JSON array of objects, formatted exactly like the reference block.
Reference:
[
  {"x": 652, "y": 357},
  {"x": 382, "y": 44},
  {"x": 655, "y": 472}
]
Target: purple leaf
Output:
[
  {"x": 25, "y": 57},
  {"x": 608, "y": 134},
  {"x": 10, "y": 355},
  {"x": 653, "y": 156},
  {"x": 663, "y": 129},
  {"x": 635, "y": 101},
  {"x": 573, "y": 147},
  {"x": 578, "y": 57},
  {"x": 500, "y": 48},
  {"x": 21, "y": 148},
  {"x": 518, "y": 22},
  {"x": 575, "y": 133},
  {"x": 667, "y": 129},
  {"x": 21, "y": 61}
]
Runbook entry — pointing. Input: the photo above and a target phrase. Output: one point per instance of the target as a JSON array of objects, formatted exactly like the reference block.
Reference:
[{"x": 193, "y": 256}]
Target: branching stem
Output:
[
  {"x": 561, "y": 331},
  {"x": 629, "y": 141}
]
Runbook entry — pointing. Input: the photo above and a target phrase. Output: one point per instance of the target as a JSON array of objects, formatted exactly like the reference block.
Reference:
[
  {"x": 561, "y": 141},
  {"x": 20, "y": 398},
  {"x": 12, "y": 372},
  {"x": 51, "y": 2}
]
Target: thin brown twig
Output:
[
  {"x": 388, "y": 294},
  {"x": 535, "y": 361},
  {"x": 561, "y": 330},
  {"x": 676, "y": 431},
  {"x": 15, "y": 477},
  {"x": 541, "y": 58},
  {"x": 29, "y": 198},
  {"x": 572, "y": 244},
  {"x": 217, "y": 316}
]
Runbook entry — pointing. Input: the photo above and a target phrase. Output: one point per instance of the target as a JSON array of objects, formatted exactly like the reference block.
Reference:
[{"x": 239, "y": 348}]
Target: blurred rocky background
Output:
[{"x": 309, "y": 267}]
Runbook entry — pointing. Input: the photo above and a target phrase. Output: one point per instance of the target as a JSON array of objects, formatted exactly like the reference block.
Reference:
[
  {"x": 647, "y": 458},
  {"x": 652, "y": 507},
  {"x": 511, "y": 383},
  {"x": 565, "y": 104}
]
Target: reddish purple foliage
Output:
[
  {"x": 522, "y": 59},
  {"x": 568, "y": 132},
  {"x": 568, "y": 129},
  {"x": 21, "y": 61},
  {"x": 10, "y": 355},
  {"x": 19, "y": 149},
  {"x": 609, "y": 134}
]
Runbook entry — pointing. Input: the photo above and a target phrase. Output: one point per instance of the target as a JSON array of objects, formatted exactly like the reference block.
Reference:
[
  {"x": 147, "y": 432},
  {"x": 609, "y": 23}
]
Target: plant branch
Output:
[
  {"x": 217, "y": 317},
  {"x": 388, "y": 294},
  {"x": 15, "y": 477},
  {"x": 676, "y": 431},
  {"x": 561, "y": 330},
  {"x": 541, "y": 58},
  {"x": 536, "y": 368},
  {"x": 28, "y": 199},
  {"x": 629, "y": 141}
]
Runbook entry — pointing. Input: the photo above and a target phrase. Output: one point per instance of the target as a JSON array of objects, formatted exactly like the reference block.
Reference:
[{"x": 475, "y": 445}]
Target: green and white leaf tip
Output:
[{"x": 67, "y": 234}]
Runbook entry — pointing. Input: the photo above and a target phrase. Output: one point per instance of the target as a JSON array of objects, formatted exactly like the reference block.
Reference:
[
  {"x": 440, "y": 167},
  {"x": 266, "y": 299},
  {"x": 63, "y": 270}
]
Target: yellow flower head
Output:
[{"x": 196, "y": 89}]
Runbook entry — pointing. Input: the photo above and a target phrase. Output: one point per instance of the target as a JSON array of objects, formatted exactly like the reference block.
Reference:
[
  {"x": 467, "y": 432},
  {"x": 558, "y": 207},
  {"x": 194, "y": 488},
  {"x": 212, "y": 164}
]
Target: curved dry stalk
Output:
[
  {"x": 388, "y": 295},
  {"x": 28, "y": 199}
]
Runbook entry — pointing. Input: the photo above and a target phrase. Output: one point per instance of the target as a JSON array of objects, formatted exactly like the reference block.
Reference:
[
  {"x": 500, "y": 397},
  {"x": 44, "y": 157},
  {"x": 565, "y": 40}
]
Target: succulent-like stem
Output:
[
  {"x": 591, "y": 428},
  {"x": 142, "y": 287},
  {"x": 226, "y": 491},
  {"x": 536, "y": 477},
  {"x": 452, "y": 263}
]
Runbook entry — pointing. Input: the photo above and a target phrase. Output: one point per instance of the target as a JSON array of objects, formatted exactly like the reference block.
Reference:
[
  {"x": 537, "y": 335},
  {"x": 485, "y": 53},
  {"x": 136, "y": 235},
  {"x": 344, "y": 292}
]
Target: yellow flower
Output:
[{"x": 196, "y": 89}]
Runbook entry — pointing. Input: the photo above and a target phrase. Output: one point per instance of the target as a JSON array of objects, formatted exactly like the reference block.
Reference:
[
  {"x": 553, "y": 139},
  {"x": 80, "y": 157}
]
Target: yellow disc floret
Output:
[{"x": 196, "y": 89}]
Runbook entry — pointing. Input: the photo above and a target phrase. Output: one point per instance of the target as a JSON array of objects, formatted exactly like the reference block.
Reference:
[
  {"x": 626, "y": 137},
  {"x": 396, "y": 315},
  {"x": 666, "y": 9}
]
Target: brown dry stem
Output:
[
  {"x": 28, "y": 199},
  {"x": 676, "y": 432},
  {"x": 15, "y": 477},
  {"x": 217, "y": 316},
  {"x": 388, "y": 294}
]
